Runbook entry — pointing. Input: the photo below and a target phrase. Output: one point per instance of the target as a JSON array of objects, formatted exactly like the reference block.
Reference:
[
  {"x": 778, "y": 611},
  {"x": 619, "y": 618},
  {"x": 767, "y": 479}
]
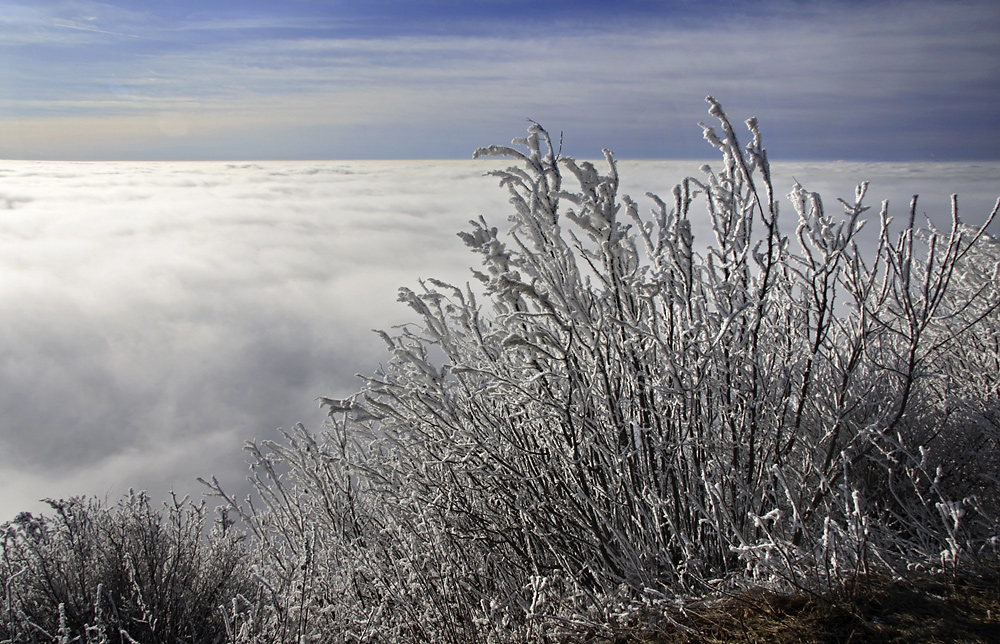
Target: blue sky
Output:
[{"x": 311, "y": 79}]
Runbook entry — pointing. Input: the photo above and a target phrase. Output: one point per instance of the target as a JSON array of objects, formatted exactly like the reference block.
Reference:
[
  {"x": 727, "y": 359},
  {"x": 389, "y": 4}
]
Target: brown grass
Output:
[{"x": 877, "y": 611}]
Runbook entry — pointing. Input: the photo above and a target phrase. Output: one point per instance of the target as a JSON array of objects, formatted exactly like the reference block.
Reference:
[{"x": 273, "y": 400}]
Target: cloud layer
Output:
[{"x": 157, "y": 315}]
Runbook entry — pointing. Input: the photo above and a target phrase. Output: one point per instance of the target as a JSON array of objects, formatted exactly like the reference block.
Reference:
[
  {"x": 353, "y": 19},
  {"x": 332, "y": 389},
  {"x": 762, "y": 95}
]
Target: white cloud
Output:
[
  {"x": 147, "y": 305},
  {"x": 157, "y": 315}
]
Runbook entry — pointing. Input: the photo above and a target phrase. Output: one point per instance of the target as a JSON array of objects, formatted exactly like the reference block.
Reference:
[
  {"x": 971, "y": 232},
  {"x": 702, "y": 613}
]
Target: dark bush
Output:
[{"x": 133, "y": 573}]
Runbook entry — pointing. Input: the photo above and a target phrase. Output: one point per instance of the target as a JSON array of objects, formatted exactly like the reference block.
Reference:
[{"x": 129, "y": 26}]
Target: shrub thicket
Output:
[
  {"x": 631, "y": 419},
  {"x": 129, "y": 573}
]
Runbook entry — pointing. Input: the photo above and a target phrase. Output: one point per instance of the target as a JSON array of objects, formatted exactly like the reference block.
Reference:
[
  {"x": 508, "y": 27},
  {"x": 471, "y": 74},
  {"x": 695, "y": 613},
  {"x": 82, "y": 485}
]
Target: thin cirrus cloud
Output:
[
  {"x": 884, "y": 80},
  {"x": 157, "y": 315}
]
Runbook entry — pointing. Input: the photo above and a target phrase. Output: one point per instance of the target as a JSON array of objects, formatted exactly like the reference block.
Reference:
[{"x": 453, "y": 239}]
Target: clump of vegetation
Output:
[
  {"x": 129, "y": 573},
  {"x": 631, "y": 421}
]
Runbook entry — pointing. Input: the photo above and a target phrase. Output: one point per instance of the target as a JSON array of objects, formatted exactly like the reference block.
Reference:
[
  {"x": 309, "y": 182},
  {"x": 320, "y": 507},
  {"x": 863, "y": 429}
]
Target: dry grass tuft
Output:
[{"x": 876, "y": 611}]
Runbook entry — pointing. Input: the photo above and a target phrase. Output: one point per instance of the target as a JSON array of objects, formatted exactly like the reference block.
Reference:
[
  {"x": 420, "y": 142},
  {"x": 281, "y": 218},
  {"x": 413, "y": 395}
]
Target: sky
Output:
[{"x": 434, "y": 79}]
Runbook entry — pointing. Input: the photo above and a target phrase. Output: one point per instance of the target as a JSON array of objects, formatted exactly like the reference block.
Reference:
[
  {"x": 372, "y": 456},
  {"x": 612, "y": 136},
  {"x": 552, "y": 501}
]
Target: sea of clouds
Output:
[{"x": 154, "y": 316}]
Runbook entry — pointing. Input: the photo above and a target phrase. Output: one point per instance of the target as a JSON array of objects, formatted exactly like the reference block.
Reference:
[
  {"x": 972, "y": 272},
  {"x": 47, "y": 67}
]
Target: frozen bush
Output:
[
  {"x": 629, "y": 418},
  {"x": 128, "y": 573}
]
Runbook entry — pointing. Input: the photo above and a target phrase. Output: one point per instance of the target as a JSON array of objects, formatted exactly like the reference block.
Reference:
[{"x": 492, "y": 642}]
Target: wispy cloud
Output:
[
  {"x": 906, "y": 79},
  {"x": 95, "y": 30}
]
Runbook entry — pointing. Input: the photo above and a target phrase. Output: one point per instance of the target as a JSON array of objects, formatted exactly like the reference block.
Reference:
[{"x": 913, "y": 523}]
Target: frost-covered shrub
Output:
[
  {"x": 127, "y": 573},
  {"x": 628, "y": 417}
]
